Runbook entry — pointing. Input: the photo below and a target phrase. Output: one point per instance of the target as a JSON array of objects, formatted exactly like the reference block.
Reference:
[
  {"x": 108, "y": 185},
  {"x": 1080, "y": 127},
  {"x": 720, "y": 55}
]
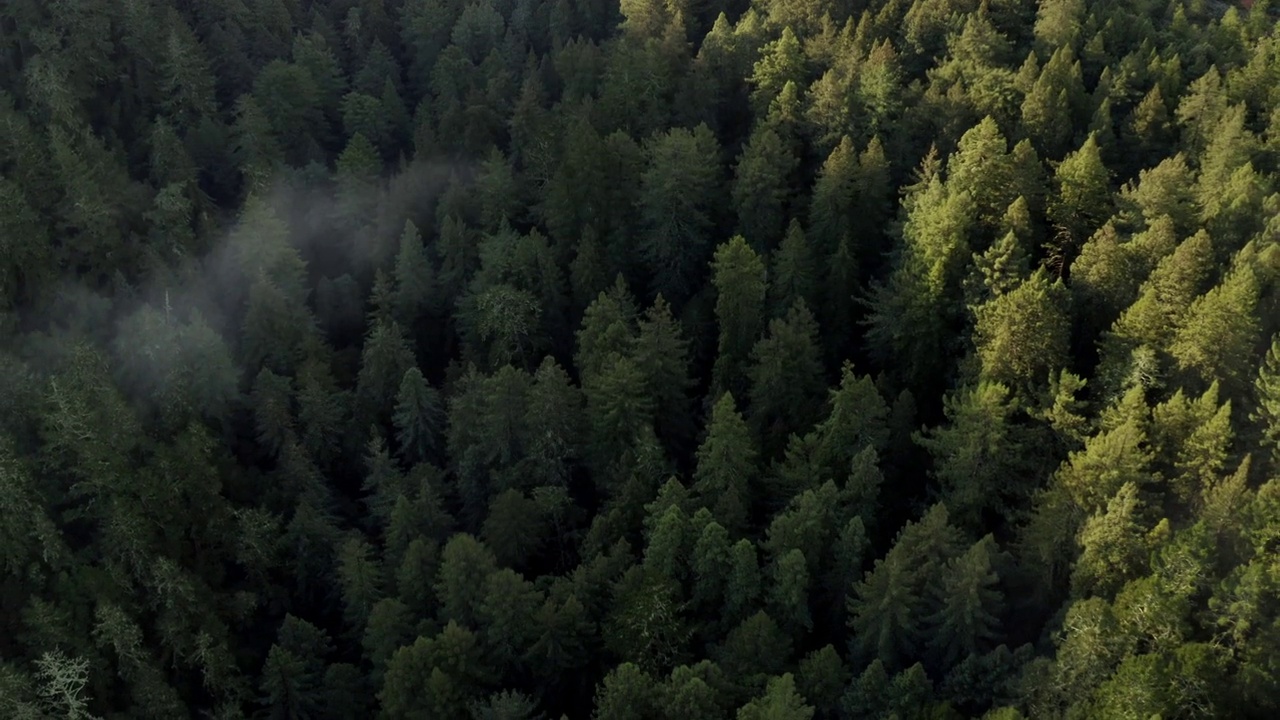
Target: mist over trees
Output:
[{"x": 756, "y": 360}]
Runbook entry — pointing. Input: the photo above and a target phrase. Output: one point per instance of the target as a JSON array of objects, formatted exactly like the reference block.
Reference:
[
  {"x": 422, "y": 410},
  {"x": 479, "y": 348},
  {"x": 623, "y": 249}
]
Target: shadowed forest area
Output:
[{"x": 723, "y": 359}]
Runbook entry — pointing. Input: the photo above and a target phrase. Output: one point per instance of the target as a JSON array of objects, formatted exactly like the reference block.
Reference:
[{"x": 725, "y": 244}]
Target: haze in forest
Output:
[{"x": 756, "y": 360}]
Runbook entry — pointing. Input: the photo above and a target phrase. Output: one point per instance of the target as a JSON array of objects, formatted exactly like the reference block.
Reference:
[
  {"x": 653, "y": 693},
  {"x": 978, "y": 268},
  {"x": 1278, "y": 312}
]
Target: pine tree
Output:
[
  {"x": 356, "y": 177},
  {"x": 888, "y": 608},
  {"x": 857, "y": 421},
  {"x": 831, "y": 208},
  {"x": 913, "y": 309},
  {"x": 1022, "y": 335},
  {"x": 781, "y": 61},
  {"x": 506, "y": 617},
  {"x": 789, "y": 592},
  {"x": 998, "y": 270},
  {"x": 1161, "y": 308},
  {"x": 968, "y": 617},
  {"x": 662, "y": 355},
  {"x": 1058, "y": 23},
  {"x": 780, "y": 702},
  {"x": 738, "y": 275},
  {"x": 415, "y": 292},
  {"x": 1083, "y": 201},
  {"x": 711, "y": 564},
  {"x": 743, "y": 586},
  {"x": 554, "y": 418},
  {"x": 977, "y": 456},
  {"x": 626, "y": 693},
  {"x": 786, "y": 377},
  {"x": 1218, "y": 337},
  {"x": 1112, "y": 458},
  {"x": 290, "y": 101},
  {"x": 1114, "y": 546},
  {"x": 807, "y": 524},
  {"x": 794, "y": 271},
  {"x": 465, "y": 566},
  {"x": 1046, "y": 112},
  {"x": 841, "y": 290},
  {"x": 1166, "y": 190},
  {"x": 361, "y": 580},
  {"x": 1149, "y": 129},
  {"x": 678, "y": 206},
  {"x": 1266, "y": 398},
  {"x": 383, "y": 364},
  {"x": 754, "y": 650},
  {"x": 418, "y": 418},
  {"x": 982, "y": 166},
  {"x": 619, "y": 411},
  {"x": 761, "y": 188},
  {"x": 607, "y": 328},
  {"x": 1201, "y": 110},
  {"x": 726, "y": 467}
]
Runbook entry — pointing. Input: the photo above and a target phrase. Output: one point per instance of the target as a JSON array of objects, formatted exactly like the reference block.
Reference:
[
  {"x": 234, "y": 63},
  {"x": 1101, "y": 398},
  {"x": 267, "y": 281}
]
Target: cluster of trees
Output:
[{"x": 755, "y": 359}]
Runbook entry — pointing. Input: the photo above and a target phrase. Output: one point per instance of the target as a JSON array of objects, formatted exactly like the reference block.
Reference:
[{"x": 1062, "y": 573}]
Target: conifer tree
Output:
[
  {"x": 1266, "y": 398},
  {"x": 678, "y": 207},
  {"x": 794, "y": 271},
  {"x": 976, "y": 455},
  {"x": 1083, "y": 201},
  {"x": 738, "y": 275},
  {"x": 662, "y": 355},
  {"x": 781, "y": 701},
  {"x": 418, "y": 418},
  {"x": 761, "y": 187},
  {"x": 1218, "y": 337},
  {"x": 831, "y": 204},
  {"x": 982, "y": 166},
  {"x": 1023, "y": 334},
  {"x": 1114, "y": 546},
  {"x": 786, "y": 376},
  {"x": 726, "y": 467},
  {"x": 970, "y": 604},
  {"x": 888, "y": 608}
]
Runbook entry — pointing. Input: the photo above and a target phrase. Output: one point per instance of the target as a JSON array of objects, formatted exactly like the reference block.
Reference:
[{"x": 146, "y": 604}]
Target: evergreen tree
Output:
[
  {"x": 415, "y": 293},
  {"x": 912, "y": 310},
  {"x": 982, "y": 166},
  {"x": 1267, "y": 400},
  {"x": 662, "y": 354},
  {"x": 1083, "y": 201},
  {"x": 761, "y": 187},
  {"x": 678, "y": 207},
  {"x": 383, "y": 364},
  {"x": 780, "y": 702},
  {"x": 1220, "y": 332},
  {"x": 977, "y": 456},
  {"x": 418, "y": 418},
  {"x": 888, "y": 608},
  {"x": 831, "y": 206},
  {"x": 738, "y": 275},
  {"x": 726, "y": 467},
  {"x": 794, "y": 271},
  {"x": 969, "y": 605},
  {"x": 465, "y": 566},
  {"x": 1023, "y": 334},
  {"x": 786, "y": 376}
]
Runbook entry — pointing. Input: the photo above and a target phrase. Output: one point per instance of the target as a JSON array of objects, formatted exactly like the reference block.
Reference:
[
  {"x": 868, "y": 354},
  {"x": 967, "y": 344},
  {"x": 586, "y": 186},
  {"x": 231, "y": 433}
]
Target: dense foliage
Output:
[{"x": 755, "y": 359}]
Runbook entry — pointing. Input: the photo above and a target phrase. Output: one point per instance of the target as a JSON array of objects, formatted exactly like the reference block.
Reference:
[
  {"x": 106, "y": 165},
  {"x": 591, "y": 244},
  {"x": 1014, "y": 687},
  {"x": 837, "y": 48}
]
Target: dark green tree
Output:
[
  {"x": 761, "y": 187},
  {"x": 678, "y": 207},
  {"x": 726, "y": 467},
  {"x": 738, "y": 275},
  {"x": 786, "y": 377}
]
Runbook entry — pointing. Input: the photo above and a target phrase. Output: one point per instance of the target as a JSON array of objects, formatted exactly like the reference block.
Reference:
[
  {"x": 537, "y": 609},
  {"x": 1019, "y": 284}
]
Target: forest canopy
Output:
[{"x": 741, "y": 359}]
